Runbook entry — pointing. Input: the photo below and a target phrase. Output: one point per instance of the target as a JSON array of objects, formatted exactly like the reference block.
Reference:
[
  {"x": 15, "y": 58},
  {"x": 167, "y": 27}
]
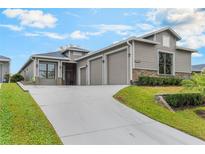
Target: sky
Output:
[{"x": 24, "y": 32}]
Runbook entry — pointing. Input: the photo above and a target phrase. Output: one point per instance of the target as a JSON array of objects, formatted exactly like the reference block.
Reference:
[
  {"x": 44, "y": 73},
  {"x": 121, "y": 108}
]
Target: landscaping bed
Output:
[
  {"x": 142, "y": 99},
  {"x": 21, "y": 119}
]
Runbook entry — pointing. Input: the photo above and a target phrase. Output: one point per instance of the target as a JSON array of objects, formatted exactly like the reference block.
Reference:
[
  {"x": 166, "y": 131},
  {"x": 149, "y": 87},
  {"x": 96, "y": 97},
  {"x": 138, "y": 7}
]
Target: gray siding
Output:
[
  {"x": 146, "y": 56},
  {"x": 183, "y": 61},
  {"x": 4, "y": 69},
  {"x": 28, "y": 73}
]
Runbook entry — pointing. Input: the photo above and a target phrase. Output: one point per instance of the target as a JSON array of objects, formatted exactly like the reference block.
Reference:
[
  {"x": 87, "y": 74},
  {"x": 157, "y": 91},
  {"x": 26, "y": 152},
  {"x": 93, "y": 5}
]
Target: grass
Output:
[
  {"x": 21, "y": 119},
  {"x": 142, "y": 100}
]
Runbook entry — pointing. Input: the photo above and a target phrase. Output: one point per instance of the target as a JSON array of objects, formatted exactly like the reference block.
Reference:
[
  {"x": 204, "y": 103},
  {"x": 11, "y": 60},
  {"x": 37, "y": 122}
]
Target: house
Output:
[
  {"x": 198, "y": 68},
  {"x": 4, "y": 67},
  {"x": 153, "y": 54}
]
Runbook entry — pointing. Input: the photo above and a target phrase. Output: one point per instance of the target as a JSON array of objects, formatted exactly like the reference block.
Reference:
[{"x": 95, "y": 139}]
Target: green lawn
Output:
[
  {"x": 21, "y": 119},
  {"x": 142, "y": 100}
]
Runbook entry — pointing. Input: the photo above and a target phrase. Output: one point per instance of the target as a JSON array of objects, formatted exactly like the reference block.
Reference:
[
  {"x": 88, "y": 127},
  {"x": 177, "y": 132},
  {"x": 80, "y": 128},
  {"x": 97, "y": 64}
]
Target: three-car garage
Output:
[{"x": 108, "y": 68}]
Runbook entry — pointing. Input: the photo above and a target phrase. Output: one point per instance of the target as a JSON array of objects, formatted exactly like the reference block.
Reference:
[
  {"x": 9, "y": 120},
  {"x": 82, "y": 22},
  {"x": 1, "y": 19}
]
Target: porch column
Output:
[{"x": 59, "y": 74}]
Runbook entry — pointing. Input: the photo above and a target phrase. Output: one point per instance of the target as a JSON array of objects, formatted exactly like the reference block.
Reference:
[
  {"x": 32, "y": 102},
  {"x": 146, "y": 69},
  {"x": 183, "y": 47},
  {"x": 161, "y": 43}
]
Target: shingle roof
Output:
[
  {"x": 56, "y": 54},
  {"x": 4, "y": 58},
  {"x": 198, "y": 68}
]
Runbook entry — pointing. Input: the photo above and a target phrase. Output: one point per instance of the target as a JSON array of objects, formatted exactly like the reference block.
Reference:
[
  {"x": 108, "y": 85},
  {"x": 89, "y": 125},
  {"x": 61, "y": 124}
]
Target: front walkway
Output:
[{"x": 89, "y": 115}]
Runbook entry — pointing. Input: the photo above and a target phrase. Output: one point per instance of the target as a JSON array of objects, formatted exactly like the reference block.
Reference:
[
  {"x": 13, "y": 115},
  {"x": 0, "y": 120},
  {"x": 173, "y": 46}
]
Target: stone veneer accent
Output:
[
  {"x": 142, "y": 72},
  {"x": 183, "y": 75},
  {"x": 153, "y": 73}
]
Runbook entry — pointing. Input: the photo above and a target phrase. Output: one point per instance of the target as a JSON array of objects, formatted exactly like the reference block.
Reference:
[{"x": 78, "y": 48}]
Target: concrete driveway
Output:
[{"x": 89, "y": 115}]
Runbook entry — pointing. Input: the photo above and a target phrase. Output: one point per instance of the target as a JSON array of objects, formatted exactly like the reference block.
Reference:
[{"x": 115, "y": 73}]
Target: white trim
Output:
[
  {"x": 5, "y": 60},
  {"x": 88, "y": 62},
  {"x": 173, "y": 61},
  {"x": 56, "y": 58},
  {"x": 144, "y": 68},
  {"x": 34, "y": 69}
]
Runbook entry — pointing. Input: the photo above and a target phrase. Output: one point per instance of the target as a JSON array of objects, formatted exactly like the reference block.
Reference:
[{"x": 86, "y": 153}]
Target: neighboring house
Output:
[
  {"x": 4, "y": 67},
  {"x": 153, "y": 54},
  {"x": 198, "y": 68}
]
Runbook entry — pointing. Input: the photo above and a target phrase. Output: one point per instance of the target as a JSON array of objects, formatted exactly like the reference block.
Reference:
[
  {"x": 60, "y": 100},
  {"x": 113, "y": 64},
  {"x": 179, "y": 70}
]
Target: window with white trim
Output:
[
  {"x": 166, "y": 41},
  {"x": 47, "y": 70},
  {"x": 165, "y": 63}
]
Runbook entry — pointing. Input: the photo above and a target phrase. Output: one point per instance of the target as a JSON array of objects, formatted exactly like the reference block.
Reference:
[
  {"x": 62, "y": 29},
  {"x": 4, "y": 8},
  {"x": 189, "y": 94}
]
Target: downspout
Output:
[
  {"x": 130, "y": 54},
  {"x": 34, "y": 69}
]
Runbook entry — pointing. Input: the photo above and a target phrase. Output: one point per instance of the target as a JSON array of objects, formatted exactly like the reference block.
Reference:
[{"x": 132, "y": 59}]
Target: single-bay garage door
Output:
[
  {"x": 96, "y": 71},
  {"x": 83, "y": 76},
  {"x": 117, "y": 68}
]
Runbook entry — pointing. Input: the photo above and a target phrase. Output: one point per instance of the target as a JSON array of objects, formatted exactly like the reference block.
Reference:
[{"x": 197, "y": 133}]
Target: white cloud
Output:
[
  {"x": 131, "y": 14},
  {"x": 78, "y": 35},
  {"x": 145, "y": 26},
  {"x": 54, "y": 35},
  {"x": 31, "y": 34},
  {"x": 12, "y": 27},
  {"x": 116, "y": 28},
  {"x": 197, "y": 54},
  {"x": 72, "y": 14},
  {"x": 189, "y": 23},
  {"x": 32, "y": 18}
]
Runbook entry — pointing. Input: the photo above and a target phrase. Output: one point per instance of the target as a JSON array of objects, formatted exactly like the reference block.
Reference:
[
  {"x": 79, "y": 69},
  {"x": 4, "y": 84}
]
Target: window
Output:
[
  {"x": 166, "y": 41},
  {"x": 165, "y": 63},
  {"x": 47, "y": 70}
]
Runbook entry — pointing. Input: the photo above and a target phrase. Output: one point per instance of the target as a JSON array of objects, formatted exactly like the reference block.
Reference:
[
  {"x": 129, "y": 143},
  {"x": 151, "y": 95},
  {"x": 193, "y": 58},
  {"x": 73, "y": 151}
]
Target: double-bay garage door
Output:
[{"x": 116, "y": 69}]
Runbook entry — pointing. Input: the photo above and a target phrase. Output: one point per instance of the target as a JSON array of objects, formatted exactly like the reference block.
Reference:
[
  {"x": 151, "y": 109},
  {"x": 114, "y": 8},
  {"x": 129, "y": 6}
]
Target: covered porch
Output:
[{"x": 55, "y": 72}]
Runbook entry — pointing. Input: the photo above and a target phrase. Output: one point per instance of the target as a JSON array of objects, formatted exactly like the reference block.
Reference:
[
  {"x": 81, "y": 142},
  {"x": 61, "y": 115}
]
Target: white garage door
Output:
[
  {"x": 117, "y": 68},
  {"x": 83, "y": 76},
  {"x": 96, "y": 71}
]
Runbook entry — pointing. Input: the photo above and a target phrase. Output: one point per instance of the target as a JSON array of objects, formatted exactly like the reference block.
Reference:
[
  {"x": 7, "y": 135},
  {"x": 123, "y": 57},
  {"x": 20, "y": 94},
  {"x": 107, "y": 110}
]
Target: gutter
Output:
[{"x": 130, "y": 55}]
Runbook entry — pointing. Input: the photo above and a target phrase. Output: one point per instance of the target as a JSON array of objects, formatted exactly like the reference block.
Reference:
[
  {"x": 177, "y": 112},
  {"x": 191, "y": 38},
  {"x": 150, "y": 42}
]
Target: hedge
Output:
[
  {"x": 184, "y": 99},
  {"x": 158, "y": 81},
  {"x": 17, "y": 77}
]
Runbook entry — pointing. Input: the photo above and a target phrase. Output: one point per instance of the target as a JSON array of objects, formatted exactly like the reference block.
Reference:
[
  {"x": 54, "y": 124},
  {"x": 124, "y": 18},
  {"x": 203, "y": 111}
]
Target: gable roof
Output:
[
  {"x": 198, "y": 68},
  {"x": 3, "y": 58},
  {"x": 161, "y": 30},
  {"x": 118, "y": 43}
]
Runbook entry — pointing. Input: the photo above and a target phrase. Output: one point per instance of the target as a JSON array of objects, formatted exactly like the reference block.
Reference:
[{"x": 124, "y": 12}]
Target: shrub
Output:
[
  {"x": 158, "y": 81},
  {"x": 184, "y": 99},
  {"x": 17, "y": 77},
  {"x": 197, "y": 83},
  {"x": 6, "y": 78}
]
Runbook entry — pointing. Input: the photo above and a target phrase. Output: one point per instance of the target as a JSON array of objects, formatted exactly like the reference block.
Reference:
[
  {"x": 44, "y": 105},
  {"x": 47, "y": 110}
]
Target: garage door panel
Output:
[
  {"x": 96, "y": 72},
  {"x": 117, "y": 68},
  {"x": 83, "y": 76}
]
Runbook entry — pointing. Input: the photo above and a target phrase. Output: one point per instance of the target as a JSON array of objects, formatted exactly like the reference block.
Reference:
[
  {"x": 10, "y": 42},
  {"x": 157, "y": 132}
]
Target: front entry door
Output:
[{"x": 70, "y": 74}]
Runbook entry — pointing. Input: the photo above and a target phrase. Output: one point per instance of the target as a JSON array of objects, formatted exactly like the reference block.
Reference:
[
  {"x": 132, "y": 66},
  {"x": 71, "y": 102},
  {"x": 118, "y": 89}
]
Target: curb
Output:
[{"x": 22, "y": 87}]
